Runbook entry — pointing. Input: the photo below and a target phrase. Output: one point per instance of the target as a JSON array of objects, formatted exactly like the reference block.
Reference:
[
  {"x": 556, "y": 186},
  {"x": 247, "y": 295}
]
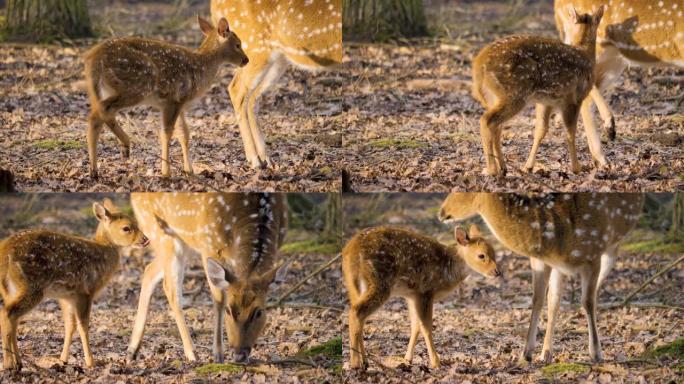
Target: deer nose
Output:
[
  {"x": 498, "y": 273},
  {"x": 241, "y": 354},
  {"x": 145, "y": 241},
  {"x": 245, "y": 61}
]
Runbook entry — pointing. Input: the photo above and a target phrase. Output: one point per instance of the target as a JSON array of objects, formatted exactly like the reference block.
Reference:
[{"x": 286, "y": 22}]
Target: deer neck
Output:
[
  {"x": 102, "y": 237},
  {"x": 458, "y": 265}
]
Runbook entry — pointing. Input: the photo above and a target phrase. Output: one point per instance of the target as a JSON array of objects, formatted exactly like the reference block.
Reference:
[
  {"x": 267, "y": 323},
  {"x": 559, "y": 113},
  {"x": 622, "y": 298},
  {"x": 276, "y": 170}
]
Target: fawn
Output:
[
  {"x": 562, "y": 234},
  {"x": 303, "y": 33},
  {"x": 382, "y": 262},
  {"x": 38, "y": 264},
  {"x": 237, "y": 236},
  {"x": 632, "y": 32},
  {"x": 515, "y": 71},
  {"x": 125, "y": 72}
]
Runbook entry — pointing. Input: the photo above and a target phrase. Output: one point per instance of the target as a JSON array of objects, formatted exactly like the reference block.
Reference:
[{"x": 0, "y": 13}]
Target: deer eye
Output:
[
  {"x": 126, "y": 229},
  {"x": 238, "y": 45},
  {"x": 258, "y": 313},
  {"x": 481, "y": 256}
]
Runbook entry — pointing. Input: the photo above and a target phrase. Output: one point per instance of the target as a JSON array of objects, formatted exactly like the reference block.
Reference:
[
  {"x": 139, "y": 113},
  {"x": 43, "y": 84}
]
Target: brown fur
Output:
[
  {"x": 129, "y": 71},
  {"x": 515, "y": 71},
  {"x": 384, "y": 261},
  {"x": 237, "y": 236},
  {"x": 563, "y": 234},
  {"x": 635, "y": 32},
  {"x": 306, "y": 35},
  {"x": 38, "y": 264}
]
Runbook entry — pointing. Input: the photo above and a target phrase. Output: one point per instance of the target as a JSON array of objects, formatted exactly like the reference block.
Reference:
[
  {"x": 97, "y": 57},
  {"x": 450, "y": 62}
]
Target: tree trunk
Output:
[
  {"x": 381, "y": 20},
  {"x": 677, "y": 228},
  {"x": 46, "y": 20},
  {"x": 333, "y": 220}
]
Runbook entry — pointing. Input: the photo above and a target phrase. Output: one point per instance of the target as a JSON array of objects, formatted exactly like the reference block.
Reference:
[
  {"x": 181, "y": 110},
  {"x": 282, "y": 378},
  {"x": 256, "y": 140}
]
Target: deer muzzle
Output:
[{"x": 241, "y": 354}]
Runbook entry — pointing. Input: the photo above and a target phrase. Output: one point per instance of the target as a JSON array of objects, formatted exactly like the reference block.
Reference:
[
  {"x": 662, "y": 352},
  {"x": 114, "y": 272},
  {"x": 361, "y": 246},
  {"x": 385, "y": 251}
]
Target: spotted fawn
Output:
[
  {"x": 382, "y": 262},
  {"x": 125, "y": 72},
  {"x": 516, "y": 71},
  {"x": 39, "y": 264}
]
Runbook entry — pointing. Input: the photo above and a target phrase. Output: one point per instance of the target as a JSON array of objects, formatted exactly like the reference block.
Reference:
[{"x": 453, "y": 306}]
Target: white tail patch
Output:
[{"x": 363, "y": 286}]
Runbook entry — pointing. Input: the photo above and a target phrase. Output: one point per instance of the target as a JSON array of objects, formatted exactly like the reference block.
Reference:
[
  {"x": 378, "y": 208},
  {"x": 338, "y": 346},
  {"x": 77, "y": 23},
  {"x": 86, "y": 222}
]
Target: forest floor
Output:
[
  {"x": 301, "y": 341},
  {"x": 44, "y": 108},
  {"x": 480, "y": 329},
  {"x": 412, "y": 125}
]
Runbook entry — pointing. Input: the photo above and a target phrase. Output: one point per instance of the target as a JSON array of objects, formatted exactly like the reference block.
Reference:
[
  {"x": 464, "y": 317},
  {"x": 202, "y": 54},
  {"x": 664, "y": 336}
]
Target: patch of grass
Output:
[
  {"x": 59, "y": 144},
  {"x": 316, "y": 245},
  {"x": 397, "y": 143},
  {"x": 331, "y": 349},
  {"x": 673, "y": 350},
  {"x": 664, "y": 244},
  {"x": 560, "y": 368},
  {"x": 208, "y": 369}
]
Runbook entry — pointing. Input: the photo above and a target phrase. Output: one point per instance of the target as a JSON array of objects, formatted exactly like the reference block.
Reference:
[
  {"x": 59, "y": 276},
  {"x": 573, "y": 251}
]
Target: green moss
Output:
[
  {"x": 59, "y": 144},
  {"x": 331, "y": 349},
  {"x": 673, "y": 350},
  {"x": 397, "y": 143},
  {"x": 316, "y": 245},
  {"x": 208, "y": 369},
  {"x": 663, "y": 244},
  {"x": 560, "y": 368}
]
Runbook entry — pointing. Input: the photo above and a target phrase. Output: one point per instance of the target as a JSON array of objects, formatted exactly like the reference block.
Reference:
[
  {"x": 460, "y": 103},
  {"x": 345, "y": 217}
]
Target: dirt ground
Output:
[
  {"x": 480, "y": 328},
  {"x": 43, "y": 111},
  {"x": 412, "y": 124},
  {"x": 299, "y": 344}
]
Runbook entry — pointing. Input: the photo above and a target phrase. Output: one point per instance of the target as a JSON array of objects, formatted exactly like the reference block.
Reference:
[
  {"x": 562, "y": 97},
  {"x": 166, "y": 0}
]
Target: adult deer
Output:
[
  {"x": 303, "y": 33},
  {"x": 637, "y": 32},
  {"x": 562, "y": 234},
  {"x": 237, "y": 236}
]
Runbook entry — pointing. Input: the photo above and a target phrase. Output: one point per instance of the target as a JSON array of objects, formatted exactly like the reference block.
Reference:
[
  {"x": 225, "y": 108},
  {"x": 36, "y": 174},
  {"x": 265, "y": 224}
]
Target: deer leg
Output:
[
  {"x": 94, "y": 129},
  {"x": 69, "y": 328},
  {"x": 239, "y": 91},
  {"x": 589, "y": 290},
  {"x": 173, "y": 287},
  {"x": 554, "y": 301},
  {"x": 491, "y": 126},
  {"x": 10, "y": 314},
  {"x": 151, "y": 277},
  {"x": 169, "y": 116},
  {"x": 570, "y": 115},
  {"x": 609, "y": 67},
  {"x": 540, "y": 279},
  {"x": 424, "y": 307},
  {"x": 368, "y": 303},
  {"x": 219, "y": 314},
  {"x": 540, "y": 130},
  {"x": 593, "y": 138},
  {"x": 110, "y": 107},
  {"x": 184, "y": 142},
  {"x": 415, "y": 328},
  {"x": 82, "y": 306},
  {"x": 271, "y": 74}
]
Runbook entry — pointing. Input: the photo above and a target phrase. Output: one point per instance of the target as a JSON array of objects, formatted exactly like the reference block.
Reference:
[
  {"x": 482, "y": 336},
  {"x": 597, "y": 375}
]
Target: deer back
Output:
[{"x": 307, "y": 32}]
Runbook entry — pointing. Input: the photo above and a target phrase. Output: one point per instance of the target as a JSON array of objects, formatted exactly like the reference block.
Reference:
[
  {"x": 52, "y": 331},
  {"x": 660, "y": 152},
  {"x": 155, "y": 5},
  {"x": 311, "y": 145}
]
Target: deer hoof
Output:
[{"x": 125, "y": 152}]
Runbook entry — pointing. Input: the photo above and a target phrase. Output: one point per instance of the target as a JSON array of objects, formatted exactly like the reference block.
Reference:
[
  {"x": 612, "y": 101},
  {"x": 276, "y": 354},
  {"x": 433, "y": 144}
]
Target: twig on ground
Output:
[
  {"x": 649, "y": 281},
  {"x": 307, "y": 278}
]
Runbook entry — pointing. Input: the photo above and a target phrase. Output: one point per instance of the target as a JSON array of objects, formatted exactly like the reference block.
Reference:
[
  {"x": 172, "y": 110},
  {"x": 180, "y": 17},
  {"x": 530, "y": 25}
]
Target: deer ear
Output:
[
  {"x": 101, "y": 213},
  {"x": 205, "y": 26},
  {"x": 219, "y": 276},
  {"x": 474, "y": 231},
  {"x": 462, "y": 236},
  {"x": 599, "y": 14},
  {"x": 111, "y": 207},
  {"x": 223, "y": 28}
]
